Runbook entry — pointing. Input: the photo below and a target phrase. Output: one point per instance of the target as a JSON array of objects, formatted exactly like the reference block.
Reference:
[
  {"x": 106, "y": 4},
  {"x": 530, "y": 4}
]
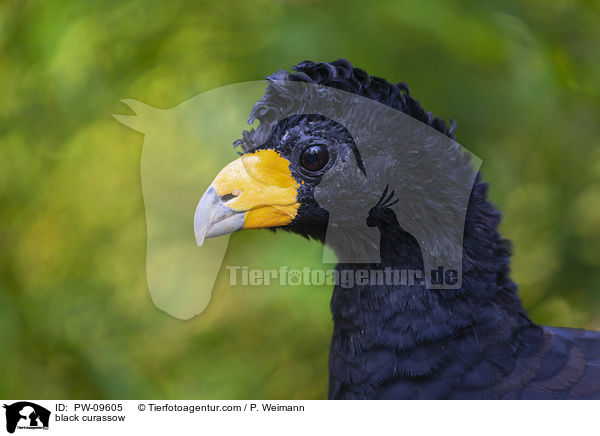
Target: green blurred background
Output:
[{"x": 522, "y": 79}]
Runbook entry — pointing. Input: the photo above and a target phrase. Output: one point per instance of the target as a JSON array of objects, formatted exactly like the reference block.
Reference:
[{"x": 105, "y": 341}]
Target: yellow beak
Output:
[{"x": 255, "y": 191}]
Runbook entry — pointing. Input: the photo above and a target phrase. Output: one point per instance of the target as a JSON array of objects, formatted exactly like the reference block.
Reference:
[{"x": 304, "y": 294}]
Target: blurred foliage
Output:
[{"x": 522, "y": 79}]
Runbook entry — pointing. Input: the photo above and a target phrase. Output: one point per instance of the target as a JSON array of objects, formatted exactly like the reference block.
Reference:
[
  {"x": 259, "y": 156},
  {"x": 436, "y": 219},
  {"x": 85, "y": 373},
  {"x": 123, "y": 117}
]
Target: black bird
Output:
[{"x": 399, "y": 341}]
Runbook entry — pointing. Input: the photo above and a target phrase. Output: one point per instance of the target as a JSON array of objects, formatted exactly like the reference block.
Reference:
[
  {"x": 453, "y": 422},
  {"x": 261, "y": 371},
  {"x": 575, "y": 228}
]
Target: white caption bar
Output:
[{"x": 263, "y": 418}]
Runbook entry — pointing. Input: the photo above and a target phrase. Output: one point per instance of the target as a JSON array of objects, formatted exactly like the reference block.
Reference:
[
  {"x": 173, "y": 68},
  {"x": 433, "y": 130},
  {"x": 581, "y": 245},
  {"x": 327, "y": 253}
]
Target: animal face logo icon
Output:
[{"x": 26, "y": 415}]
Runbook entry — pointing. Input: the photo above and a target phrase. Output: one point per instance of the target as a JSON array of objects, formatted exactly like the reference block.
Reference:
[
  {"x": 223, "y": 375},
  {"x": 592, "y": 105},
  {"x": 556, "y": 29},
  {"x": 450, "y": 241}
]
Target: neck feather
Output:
[{"x": 391, "y": 339}]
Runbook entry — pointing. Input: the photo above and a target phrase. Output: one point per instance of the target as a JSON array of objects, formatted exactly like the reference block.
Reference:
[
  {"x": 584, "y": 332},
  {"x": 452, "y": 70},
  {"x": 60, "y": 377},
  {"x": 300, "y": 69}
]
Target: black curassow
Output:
[{"x": 399, "y": 341}]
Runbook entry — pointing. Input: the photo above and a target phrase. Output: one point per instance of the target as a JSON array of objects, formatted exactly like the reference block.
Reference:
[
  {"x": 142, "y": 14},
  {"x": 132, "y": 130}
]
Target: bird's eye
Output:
[{"x": 315, "y": 157}]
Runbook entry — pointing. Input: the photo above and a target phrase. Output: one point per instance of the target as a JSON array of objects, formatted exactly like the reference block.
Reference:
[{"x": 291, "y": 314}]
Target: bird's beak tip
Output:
[
  {"x": 199, "y": 240},
  {"x": 212, "y": 218},
  {"x": 203, "y": 215}
]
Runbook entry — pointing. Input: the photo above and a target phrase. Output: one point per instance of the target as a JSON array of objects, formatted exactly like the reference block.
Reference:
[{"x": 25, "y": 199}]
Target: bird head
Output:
[
  {"x": 273, "y": 186},
  {"x": 318, "y": 163}
]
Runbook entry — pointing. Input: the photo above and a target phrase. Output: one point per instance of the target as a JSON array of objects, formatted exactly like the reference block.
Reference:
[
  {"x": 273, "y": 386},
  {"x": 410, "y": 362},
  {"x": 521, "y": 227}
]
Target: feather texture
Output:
[{"x": 409, "y": 342}]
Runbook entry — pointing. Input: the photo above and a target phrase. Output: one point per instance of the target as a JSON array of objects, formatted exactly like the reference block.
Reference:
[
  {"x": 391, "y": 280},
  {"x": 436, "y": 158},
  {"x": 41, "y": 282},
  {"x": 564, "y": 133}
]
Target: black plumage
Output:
[{"x": 409, "y": 342}]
